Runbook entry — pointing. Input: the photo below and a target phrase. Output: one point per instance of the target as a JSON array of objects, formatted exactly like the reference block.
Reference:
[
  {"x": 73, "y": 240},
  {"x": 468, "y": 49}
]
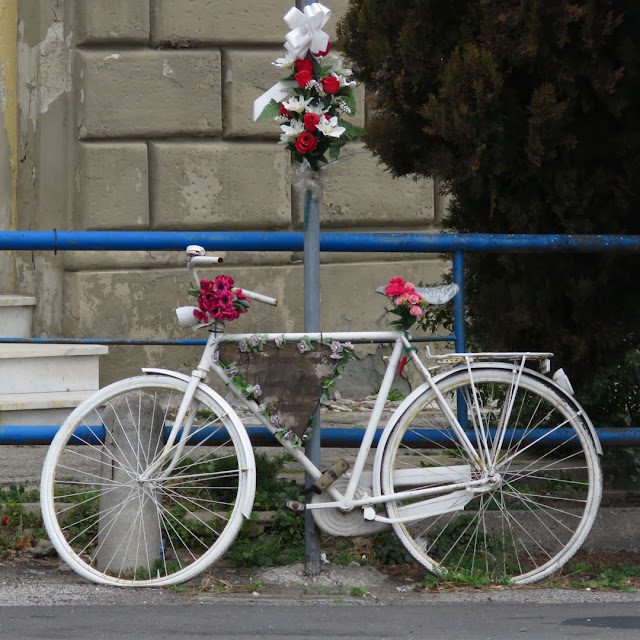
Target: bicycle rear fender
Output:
[
  {"x": 425, "y": 386},
  {"x": 242, "y": 432},
  {"x": 561, "y": 391}
]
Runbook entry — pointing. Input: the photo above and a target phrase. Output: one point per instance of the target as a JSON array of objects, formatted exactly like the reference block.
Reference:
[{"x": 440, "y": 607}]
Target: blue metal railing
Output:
[{"x": 456, "y": 244}]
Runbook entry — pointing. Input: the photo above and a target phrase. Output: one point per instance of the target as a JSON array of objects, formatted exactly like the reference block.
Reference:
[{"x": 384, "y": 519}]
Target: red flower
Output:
[
  {"x": 206, "y": 286},
  {"x": 323, "y": 53},
  {"x": 218, "y": 301},
  {"x": 303, "y": 79},
  {"x": 331, "y": 84},
  {"x": 306, "y": 142},
  {"x": 304, "y": 65},
  {"x": 201, "y": 316},
  {"x": 284, "y": 112},
  {"x": 223, "y": 282},
  {"x": 396, "y": 287},
  {"x": 311, "y": 121}
]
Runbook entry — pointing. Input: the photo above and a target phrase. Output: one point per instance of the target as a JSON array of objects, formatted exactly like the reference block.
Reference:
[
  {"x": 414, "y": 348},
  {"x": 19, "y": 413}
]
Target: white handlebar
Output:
[{"x": 196, "y": 258}]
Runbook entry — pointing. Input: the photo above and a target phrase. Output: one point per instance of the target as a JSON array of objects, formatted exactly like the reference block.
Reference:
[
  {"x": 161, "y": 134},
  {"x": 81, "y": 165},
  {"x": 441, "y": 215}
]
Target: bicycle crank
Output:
[{"x": 345, "y": 523}]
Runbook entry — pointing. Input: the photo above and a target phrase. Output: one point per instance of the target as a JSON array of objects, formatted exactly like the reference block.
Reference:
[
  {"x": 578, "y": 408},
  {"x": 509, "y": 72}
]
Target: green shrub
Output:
[{"x": 530, "y": 113}]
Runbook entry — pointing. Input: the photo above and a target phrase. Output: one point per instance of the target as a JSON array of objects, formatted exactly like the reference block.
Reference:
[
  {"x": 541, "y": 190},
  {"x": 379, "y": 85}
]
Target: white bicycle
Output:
[{"x": 489, "y": 466}]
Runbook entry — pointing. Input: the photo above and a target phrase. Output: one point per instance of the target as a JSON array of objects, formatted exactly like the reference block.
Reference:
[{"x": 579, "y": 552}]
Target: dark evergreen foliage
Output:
[{"x": 530, "y": 112}]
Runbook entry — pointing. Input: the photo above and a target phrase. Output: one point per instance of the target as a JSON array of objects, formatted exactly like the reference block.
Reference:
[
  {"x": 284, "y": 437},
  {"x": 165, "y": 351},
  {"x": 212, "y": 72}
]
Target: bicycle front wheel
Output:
[
  {"x": 545, "y": 484},
  {"x": 114, "y": 515}
]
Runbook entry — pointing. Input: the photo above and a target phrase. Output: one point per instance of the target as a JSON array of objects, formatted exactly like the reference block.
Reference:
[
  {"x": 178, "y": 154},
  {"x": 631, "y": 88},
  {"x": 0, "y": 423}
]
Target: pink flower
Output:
[
  {"x": 417, "y": 311},
  {"x": 413, "y": 298},
  {"x": 395, "y": 287},
  {"x": 201, "y": 316},
  {"x": 393, "y": 290},
  {"x": 225, "y": 299},
  {"x": 409, "y": 286},
  {"x": 206, "y": 286},
  {"x": 400, "y": 299},
  {"x": 223, "y": 282}
]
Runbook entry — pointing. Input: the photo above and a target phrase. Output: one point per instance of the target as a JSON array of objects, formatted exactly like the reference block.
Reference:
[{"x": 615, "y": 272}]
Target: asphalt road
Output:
[{"x": 320, "y": 621}]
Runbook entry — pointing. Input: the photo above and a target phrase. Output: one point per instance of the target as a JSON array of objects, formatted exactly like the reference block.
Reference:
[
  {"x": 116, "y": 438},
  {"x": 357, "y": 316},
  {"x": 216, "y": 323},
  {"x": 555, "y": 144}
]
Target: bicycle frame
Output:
[{"x": 343, "y": 501}]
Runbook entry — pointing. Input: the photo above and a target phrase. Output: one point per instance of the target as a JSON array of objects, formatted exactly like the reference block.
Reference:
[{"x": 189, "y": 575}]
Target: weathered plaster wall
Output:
[
  {"x": 8, "y": 132},
  {"x": 136, "y": 114}
]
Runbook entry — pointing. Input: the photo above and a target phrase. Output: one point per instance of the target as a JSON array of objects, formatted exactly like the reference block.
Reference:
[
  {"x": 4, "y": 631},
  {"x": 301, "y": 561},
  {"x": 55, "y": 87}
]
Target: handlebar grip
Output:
[{"x": 197, "y": 261}]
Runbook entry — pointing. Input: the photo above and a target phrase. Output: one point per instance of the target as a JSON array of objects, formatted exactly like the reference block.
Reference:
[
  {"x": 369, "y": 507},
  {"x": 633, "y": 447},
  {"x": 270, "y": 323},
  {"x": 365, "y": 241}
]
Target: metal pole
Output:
[{"x": 312, "y": 324}]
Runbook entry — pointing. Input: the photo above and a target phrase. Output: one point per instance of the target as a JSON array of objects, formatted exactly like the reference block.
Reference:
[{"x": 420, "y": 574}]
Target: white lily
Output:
[
  {"x": 319, "y": 109},
  {"x": 291, "y": 131},
  {"x": 338, "y": 66},
  {"x": 297, "y": 104},
  {"x": 287, "y": 62},
  {"x": 330, "y": 127},
  {"x": 345, "y": 81}
]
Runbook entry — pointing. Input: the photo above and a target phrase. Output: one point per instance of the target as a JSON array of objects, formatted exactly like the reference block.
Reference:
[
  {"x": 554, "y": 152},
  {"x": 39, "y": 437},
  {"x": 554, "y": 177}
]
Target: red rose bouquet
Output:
[
  {"x": 219, "y": 300},
  {"x": 320, "y": 90}
]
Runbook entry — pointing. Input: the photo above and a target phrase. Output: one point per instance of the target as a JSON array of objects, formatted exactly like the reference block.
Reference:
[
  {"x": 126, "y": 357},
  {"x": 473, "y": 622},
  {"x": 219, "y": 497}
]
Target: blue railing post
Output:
[
  {"x": 458, "y": 327},
  {"x": 458, "y": 302}
]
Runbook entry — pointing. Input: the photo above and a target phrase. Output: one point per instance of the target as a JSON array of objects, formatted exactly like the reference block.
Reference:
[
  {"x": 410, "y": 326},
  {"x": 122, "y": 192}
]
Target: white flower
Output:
[
  {"x": 297, "y": 104},
  {"x": 254, "y": 340},
  {"x": 287, "y": 62},
  {"x": 338, "y": 66},
  {"x": 242, "y": 345},
  {"x": 256, "y": 391},
  {"x": 303, "y": 347},
  {"x": 330, "y": 127},
  {"x": 319, "y": 109},
  {"x": 344, "y": 81},
  {"x": 291, "y": 131}
]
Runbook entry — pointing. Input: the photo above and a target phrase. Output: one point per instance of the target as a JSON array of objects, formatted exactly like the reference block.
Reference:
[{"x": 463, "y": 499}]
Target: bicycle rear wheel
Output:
[
  {"x": 547, "y": 482},
  {"x": 114, "y": 525}
]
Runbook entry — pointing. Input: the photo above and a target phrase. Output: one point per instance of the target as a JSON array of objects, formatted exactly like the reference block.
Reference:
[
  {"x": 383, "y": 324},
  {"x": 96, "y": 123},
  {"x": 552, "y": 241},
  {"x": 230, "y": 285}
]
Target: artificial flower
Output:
[
  {"x": 306, "y": 142},
  {"x": 331, "y": 84},
  {"x": 291, "y": 131},
  {"x": 297, "y": 104},
  {"x": 287, "y": 62},
  {"x": 329, "y": 127}
]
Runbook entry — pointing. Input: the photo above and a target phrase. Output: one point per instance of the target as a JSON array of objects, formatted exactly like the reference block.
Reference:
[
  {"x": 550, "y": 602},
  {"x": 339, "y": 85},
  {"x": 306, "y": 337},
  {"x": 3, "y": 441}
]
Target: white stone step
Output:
[
  {"x": 15, "y": 316},
  {"x": 38, "y": 409},
  {"x": 46, "y": 368}
]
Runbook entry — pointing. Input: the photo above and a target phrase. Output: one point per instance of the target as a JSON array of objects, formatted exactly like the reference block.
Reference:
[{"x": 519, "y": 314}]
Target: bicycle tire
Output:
[
  {"x": 114, "y": 527},
  {"x": 529, "y": 524}
]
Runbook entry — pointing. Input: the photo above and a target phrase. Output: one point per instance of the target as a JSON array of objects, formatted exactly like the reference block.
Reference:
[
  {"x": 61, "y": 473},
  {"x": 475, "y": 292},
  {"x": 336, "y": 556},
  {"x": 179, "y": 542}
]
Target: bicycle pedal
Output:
[
  {"x": 328, "y": 478},
  {"x": 294, "y": 505}
]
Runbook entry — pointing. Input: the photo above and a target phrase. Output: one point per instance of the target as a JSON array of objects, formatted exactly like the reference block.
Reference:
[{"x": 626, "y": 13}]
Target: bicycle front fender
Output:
[{"x": 233, "y": 416}]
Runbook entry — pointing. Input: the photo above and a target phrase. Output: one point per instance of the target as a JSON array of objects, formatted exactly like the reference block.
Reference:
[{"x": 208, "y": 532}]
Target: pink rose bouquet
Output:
[
  {"x": 219, "y": 300},
  {"x": 408, "y": 305}
]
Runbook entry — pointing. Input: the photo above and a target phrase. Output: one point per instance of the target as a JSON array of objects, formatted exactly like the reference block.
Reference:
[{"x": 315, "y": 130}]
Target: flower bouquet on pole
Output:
[{"x": 310, "y": 104}]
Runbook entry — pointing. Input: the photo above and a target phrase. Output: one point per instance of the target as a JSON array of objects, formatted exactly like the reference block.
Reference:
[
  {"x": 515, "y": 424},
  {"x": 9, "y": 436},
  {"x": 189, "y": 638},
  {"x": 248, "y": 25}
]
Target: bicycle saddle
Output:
[{"x": 436, "y": 296}]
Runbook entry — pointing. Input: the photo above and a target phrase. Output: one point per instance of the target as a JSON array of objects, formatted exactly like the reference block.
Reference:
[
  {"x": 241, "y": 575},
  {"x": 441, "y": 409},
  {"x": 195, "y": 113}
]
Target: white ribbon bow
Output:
[{"x": 306, "y": 30}]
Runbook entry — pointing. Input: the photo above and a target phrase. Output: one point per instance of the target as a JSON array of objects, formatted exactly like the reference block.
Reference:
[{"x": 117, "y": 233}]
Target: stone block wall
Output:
[{"x": 149, "y": 103}]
